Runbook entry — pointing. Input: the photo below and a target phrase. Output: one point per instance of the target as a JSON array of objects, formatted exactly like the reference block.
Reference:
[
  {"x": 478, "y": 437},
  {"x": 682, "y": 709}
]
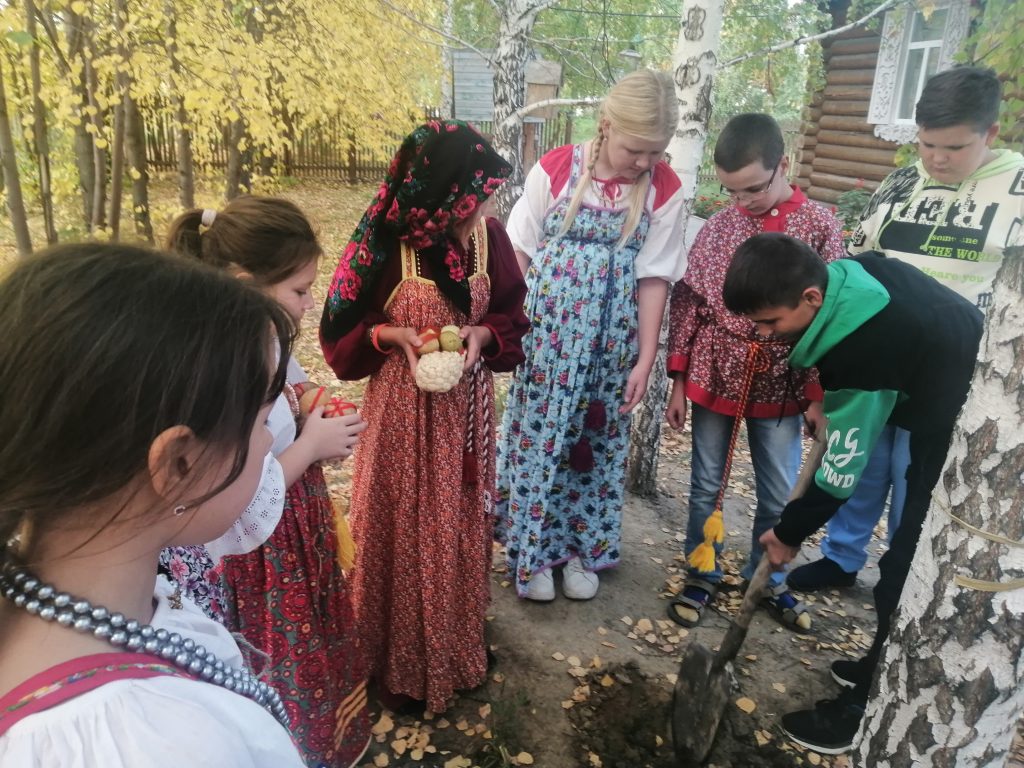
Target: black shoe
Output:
[
  {"x": 849, "y": 673},
  {"x": 829, "y": 728},
  {"x": 821, "y": 574}
]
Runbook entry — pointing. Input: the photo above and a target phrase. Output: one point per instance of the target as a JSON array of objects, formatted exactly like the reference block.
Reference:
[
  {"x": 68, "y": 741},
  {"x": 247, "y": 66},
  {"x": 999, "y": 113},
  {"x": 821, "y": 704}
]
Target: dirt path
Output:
[{"x": 589, "y": 683}]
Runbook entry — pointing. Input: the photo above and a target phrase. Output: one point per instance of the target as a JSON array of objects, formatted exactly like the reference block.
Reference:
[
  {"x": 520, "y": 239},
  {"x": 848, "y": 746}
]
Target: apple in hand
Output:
[
  {"x": 450, "y": 341},
  {"x": 430, "y": 336}
]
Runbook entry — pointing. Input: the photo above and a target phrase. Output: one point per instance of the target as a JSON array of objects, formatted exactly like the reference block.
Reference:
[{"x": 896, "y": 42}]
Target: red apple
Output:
[{"x": 430, "y": 335}]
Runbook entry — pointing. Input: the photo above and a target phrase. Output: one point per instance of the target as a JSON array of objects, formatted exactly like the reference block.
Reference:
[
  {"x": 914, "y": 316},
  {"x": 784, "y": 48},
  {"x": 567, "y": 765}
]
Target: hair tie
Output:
[{"x": 208, "y": 216}]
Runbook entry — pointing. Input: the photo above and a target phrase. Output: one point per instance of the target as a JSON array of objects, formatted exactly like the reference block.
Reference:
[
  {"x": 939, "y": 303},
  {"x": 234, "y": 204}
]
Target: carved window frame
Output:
[{"x": 893, "y": 53}]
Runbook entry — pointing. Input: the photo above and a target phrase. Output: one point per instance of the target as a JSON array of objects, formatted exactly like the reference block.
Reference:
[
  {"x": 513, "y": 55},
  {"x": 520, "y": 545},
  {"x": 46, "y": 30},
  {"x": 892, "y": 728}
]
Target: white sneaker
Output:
[
  {"x": 577, "y": 583},
  {"x": 542, "y": 587}
]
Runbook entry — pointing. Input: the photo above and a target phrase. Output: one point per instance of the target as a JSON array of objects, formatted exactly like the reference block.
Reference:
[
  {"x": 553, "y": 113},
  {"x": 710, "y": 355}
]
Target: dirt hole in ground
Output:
[{"x": 623, "y": 722}]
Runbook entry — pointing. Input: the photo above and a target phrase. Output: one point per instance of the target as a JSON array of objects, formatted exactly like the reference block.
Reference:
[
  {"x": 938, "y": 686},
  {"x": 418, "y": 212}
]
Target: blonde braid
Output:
[
  {"x": 637, "y": 204},
  {"x": 581, "y": 187}
]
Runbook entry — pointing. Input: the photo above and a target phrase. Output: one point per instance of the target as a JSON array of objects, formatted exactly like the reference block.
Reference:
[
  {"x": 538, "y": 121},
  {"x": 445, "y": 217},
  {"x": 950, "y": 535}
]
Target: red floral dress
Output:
[{"x": 424, "y": 479}]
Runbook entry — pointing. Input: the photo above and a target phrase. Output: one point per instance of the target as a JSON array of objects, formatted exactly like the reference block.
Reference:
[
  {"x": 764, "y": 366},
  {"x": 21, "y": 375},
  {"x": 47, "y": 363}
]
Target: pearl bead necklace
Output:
[{"x": 30, "y": 594}]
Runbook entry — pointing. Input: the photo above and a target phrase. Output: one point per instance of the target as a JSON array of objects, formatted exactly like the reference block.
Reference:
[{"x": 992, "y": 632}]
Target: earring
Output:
[{"x": 180, "y": 510}]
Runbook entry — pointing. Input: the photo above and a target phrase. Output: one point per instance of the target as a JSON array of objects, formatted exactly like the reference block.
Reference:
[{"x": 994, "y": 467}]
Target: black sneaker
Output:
[
  {"x": 849, "y": 673},
  {"x": 821, "y": 574},
  {"x": 829, "y": 728}
]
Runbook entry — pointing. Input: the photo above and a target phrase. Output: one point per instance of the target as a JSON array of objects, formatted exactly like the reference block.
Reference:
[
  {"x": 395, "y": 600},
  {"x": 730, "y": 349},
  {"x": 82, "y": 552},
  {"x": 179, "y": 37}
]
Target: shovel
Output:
[{"x": 702, "y": 687}]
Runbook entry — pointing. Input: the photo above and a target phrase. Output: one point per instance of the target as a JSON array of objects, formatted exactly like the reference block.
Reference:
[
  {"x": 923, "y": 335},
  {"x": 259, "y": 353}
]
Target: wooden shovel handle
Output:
[{"x": 737, "y": 631}]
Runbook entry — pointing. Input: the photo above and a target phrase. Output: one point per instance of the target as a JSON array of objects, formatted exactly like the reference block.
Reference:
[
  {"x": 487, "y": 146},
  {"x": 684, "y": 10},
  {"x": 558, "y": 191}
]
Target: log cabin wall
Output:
[{"x": 838, "y": 149}]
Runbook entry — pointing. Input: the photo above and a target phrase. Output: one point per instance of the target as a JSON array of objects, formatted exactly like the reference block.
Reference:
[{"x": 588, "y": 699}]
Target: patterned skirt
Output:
[{"x": 290, "y": 601}]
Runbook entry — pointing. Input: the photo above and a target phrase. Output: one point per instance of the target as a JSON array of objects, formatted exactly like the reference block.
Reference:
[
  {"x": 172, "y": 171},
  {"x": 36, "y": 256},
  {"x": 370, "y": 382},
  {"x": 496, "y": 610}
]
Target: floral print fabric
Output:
[
  {"x": 561, "y": 462},
  {"x": 290, "y": 601},
  {"x": 441, "y": 174},
  {"x": 193, "y": 571}
]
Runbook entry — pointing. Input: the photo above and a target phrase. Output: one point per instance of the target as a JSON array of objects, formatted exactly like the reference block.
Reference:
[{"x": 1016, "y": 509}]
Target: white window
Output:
[{"x": 914, "y": 47}]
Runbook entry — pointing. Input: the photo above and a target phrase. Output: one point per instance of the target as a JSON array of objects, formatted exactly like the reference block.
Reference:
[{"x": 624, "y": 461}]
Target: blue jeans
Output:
[
  {"x": 775, "y": 452},
  {"x": 849, "y": 532}
]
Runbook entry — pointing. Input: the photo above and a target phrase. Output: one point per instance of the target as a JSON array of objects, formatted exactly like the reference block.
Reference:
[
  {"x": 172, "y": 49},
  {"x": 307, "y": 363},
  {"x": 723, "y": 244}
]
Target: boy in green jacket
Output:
[{"x": 892, "y": 346}]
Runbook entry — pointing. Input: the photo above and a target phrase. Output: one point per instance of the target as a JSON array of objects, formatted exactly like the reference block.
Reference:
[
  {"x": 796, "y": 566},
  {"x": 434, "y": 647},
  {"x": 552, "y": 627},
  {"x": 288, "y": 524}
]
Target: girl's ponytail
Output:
[{"x": 185, "y": 236}]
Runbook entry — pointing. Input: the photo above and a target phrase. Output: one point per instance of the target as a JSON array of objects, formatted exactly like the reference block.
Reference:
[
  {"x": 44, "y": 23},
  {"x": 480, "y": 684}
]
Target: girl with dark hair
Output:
[
  {"x": 423, "y": 255},
  {"x": 288, "y": 596},
  {"x": 114, "y": 449}
]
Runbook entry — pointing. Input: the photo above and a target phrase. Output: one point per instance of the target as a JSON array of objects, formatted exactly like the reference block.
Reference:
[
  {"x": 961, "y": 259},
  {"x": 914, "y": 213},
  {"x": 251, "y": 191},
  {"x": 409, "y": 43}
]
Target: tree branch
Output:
[
  {"x": 519, "y": 114},
  {"x": 886, "y": 6},
  {"x": 402, "y": 12}
]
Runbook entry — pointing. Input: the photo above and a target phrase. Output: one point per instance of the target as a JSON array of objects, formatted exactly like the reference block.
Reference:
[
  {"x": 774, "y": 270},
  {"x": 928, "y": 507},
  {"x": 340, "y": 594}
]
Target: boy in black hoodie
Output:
[{"x": 891, "y": 345}]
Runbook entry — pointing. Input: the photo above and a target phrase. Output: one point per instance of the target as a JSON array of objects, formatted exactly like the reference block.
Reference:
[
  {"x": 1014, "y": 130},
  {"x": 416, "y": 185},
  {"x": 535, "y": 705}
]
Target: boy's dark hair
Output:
[
  {"x": 771, "y": 270},
  {"x": 268, "y": 237},
  {"x": 749, "y": 138},
  {"x": 106, "y": 346},
  {"x": 960, "y": 96}
]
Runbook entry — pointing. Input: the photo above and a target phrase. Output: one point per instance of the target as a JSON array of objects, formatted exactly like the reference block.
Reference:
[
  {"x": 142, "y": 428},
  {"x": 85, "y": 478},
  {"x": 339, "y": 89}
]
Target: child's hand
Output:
[
  {"x": 333, "y": 438},
  {"x": 778, "y": 554},
  {"x": 636, "y": 387},
  {"x": 477, "y": 338},
  {"x": 675, "y": 414},
  {"x": 814, "y": 419},
  {"x": 407, "y": 338}
]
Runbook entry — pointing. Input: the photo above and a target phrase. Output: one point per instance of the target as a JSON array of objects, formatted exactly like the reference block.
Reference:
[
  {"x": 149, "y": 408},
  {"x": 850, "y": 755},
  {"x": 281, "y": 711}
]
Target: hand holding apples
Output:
[{"x": 331, "y": 425}]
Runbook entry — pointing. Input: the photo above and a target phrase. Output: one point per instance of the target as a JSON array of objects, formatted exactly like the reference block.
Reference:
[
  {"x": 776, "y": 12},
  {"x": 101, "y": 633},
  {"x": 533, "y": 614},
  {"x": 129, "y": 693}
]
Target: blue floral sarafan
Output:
[{"x": 562, "y": 459}]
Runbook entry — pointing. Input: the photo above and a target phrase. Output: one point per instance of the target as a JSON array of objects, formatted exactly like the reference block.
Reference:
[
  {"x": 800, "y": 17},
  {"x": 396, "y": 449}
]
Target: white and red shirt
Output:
[{"x": 663, "y": 253}]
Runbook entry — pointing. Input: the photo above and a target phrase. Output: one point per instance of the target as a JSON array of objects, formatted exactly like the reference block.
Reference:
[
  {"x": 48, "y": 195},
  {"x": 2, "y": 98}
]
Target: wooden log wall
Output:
[{"x": 838, "y": 149}]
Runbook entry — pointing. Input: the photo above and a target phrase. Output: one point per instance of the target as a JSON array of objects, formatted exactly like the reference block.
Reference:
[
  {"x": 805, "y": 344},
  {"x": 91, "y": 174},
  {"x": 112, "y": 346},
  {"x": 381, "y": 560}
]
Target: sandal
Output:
[
  {"x": 787, "y": 610},
  {"x": 687, "y": 608}
]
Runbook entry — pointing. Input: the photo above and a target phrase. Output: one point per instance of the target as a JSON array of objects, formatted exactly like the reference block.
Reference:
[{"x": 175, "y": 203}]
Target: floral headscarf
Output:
[{"x": 442, "y": 172}]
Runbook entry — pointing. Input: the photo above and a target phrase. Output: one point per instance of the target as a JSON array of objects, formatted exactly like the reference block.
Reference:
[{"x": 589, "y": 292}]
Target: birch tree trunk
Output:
[
  {"x": 952, "y": 684},
  {"x": 514, "y": 27},
  {"x": 694, "y": 63},
  {"x": 9, "y": 161}
]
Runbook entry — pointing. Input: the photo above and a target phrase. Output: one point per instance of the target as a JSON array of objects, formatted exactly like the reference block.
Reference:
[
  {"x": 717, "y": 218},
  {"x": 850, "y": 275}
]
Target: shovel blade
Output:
[{"x": 698, "y": 703}]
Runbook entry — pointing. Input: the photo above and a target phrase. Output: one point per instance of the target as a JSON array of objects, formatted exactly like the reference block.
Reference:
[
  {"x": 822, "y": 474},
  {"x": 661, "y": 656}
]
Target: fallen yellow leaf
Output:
[
  {"x": 573, "y": 661},
  {"x": 780, "y": 687},
  {"x": 746, "y": 705},
  {"x": 381, "y": 760},
  {"x": 558, "y": 656},
  {"x": 485, "y": 711},
  {"x": 384, "y": 725},
  {"x": 644, "y": 625},
  {"x": 524, "y": 758}
]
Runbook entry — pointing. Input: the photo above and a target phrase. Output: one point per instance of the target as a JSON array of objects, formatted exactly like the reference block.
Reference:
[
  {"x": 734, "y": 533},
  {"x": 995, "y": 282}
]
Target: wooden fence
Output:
[{"x": 324, "y": 151}]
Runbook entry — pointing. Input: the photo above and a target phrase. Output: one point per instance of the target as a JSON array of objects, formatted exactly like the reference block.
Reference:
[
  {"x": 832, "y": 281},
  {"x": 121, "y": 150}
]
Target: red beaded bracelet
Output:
[{"x": 375, "y": 338}]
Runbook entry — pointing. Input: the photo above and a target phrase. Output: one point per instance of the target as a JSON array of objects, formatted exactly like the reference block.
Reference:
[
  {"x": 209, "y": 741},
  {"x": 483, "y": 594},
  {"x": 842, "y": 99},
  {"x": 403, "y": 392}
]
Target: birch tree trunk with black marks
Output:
[
  {"x": 694, "y": 63},
  {"x": 517, "y": 18},
  {"x": 951, "y": 686}
]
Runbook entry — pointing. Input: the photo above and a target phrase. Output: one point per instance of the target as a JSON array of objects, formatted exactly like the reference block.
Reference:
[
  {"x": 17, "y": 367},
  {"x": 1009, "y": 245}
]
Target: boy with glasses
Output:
[{"x": 719, "y": 363}]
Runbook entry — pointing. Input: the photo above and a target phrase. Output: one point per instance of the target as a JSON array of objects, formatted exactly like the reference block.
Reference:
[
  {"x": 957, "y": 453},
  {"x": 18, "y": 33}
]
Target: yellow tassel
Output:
[
  {"x": 346, "y": 544},
  {"x": 702, "y": 558},
  {"x": 714, "y": 528}
]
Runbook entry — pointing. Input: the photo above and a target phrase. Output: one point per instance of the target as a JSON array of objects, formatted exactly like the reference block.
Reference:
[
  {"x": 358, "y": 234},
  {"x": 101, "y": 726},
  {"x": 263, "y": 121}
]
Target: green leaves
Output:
[{"x": 19, "y": 37}]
